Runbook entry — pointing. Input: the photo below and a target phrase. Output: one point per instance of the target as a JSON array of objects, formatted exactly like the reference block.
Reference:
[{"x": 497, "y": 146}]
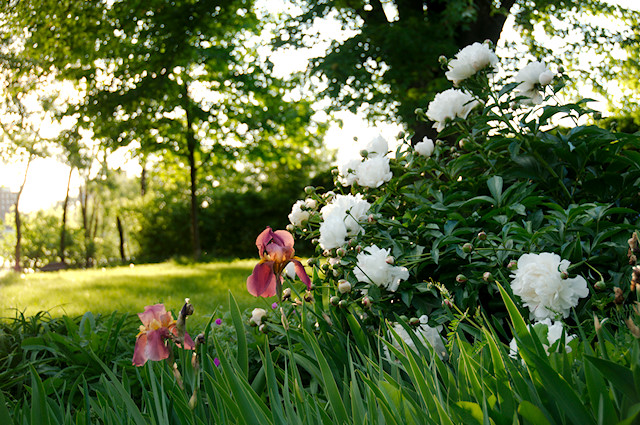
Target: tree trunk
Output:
[
  {"x": 191, "y": 151},
  {"x": 123, "y": 258},
  {"x": 143, "y": 175},
  {"x": 18, "y": 222},
  {"x": 63, "y": 232}
]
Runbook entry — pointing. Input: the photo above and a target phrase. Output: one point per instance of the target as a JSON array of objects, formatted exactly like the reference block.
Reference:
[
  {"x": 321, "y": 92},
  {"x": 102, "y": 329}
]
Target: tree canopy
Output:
[{"x": 388, "y": 61}]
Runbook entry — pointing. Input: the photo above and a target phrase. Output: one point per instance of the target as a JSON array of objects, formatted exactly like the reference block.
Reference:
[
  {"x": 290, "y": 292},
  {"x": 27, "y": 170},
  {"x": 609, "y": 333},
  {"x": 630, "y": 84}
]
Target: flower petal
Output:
[
  {"x": 302, "y": 273},
  {"x": 263, "y": 239},
  {"x": 155, "y": 349},
  {"x": 151, "y": 312},
  {"x": 262, "y": 282},
  {"x": 283, "y": 238},
  {"x": 139, "y": 358}
]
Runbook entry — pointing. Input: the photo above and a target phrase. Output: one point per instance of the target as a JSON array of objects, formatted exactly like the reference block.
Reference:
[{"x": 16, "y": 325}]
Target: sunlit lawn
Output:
[{"x": 129, "y": 289}]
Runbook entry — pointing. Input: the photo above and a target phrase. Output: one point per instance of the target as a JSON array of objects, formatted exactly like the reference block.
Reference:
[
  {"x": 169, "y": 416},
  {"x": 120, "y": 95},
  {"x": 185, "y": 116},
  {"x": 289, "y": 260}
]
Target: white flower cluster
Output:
[
  {"x": 542, "y": 284},
  {"x": 340, "y": 219},
  {"x": 425, "y": 333},
  {"x": 470, "y": 60},
  {"x": 373, "y": 267},
  {"x": 372, "y": 171},
  {"x": 425, "y": 147},
  {"x": 448, "y": 105},
  {"x": 300, "y": 211},
  {"x": 553, "y": 334},
  {"x": 533, "y": 76}
]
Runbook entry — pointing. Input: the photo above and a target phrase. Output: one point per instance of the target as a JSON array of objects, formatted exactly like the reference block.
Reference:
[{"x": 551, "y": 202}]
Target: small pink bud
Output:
[
  {"x": 482, "y": 236},
  {"x": 564, "y": 275},
  {"x": 513, "y": 264},
  {"x": 600, "y": 285},
  {"x": 447, "y": 303},
  {"x": 414, "y": 321},
  {"x": 326, "y": 253},
  {"x": 366, "y": 302},
  {"x": 467, "y": 248},
  {"x": 371, "y": 219},
  {"x": 461, "y": 278},
  {"x": 341, "y": 252},
  {"x": 390, "y": 260},
  {"x": 358, "y": 249},
  {"x": 486, "y": 276},
  {"x": 218, "y": 322}
]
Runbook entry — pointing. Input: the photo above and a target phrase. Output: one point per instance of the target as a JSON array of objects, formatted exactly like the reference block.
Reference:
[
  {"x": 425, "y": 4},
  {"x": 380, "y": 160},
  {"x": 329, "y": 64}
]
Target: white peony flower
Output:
[
  {"x": 257, "y": 315},
  {"x": 539, "y": 284},
  {"x": 310, "y": 203},
  {"x": 351, "y": 209},
  {"x": 448, "y": 105},
  {"x": 377, "y": 146},
  {"x": 347, "y": 171},
  {"x": 553, "y": 334},
  {"x": 470, "y": 60},
  {"x": 425, "y": 333},
  {"x": 298, "y": 216},
  {"x": 425, "y": 148},
  {"x": 374, "y": 172},
  {"x": 531, "y": 78},
  {"x": 372, "y": 267},
  {"x": 290, "y": 270},
  {"x": 333, "y": 232}
]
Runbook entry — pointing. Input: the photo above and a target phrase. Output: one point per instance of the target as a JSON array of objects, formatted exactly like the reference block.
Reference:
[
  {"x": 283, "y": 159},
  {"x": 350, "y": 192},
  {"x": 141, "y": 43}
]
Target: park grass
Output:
[{"x": 129, "y": 289}]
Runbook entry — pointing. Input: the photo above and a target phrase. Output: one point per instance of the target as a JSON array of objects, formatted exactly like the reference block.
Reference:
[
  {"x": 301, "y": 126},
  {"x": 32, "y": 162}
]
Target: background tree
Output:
[
  {"x": 387, "y": 63},
  {"x": 174, "y": 78}
]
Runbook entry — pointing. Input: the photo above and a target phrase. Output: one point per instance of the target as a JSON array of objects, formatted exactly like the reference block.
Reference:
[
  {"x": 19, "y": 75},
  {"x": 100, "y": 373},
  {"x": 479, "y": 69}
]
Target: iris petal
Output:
[{"x": 262, "y": 282}]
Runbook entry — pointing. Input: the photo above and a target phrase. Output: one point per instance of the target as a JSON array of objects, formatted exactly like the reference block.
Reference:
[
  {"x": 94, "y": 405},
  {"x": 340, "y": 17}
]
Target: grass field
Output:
[{"x": 129, "y": 289}]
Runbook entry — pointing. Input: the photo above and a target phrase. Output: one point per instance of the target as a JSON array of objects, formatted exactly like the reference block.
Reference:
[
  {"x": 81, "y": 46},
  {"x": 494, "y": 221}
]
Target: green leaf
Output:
[
  {"x": 238, "y": 324},
  {"x": 495, "y": 187},
  {"x": 619, "y": 376},
  {"x": 5, "y": 417},
  {"x": 532, "y": 413},
  {"x": 329, "y": 382}
]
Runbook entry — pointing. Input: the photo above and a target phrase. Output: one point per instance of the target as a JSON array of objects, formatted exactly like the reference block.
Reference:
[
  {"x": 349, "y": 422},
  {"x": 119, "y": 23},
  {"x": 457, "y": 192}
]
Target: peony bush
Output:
[{"x": 519, "y": 189}]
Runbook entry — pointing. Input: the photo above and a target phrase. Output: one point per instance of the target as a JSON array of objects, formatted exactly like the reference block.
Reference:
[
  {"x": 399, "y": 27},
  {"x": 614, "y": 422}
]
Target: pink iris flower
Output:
[
  {"x": 157, "y": 326},
  {"x": 276, "y": 251}
]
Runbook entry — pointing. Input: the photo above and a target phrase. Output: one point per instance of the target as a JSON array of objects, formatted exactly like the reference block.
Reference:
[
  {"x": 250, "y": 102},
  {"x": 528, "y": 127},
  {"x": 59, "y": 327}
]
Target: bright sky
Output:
[{"x": 47, "y": 178}]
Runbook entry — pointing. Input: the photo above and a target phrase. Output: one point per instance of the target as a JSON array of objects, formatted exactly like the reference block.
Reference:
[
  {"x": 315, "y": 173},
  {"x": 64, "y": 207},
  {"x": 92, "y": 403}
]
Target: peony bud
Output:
[
  {"x": 513, "y": 264},
  {"x": 343, "y": 304},
  {"x": 364, "y": 153},
  {"x": 334, "y": 300},
  {"x": 467, "y": 247},
  {"x": 461, "y": 278},
  {"x": 564, "y": 275},
  {"x": 286, "y": 294},
  {"x": 447, "y": 303},
  {"x": 486, "y": 276},
  {"x": 414, "y": 321},
  {"x": 482, "y": 236},
  {"x": 290, "y": 228},
  {"x": 344, "y": 286},
  {"x": 600, "y": 285},
  {"x": 390, "y": 260},
  {"x": 371, "y": 219},
  {"x": 341, "y": 252},
  {"x": 366, "y": 302},
  {"x": 309, "y": 190}
]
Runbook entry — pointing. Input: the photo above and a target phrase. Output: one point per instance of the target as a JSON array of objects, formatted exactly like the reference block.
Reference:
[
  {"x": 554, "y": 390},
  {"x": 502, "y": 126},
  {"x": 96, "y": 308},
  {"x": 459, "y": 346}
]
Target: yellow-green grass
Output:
[{"x": 130, "y": 289}]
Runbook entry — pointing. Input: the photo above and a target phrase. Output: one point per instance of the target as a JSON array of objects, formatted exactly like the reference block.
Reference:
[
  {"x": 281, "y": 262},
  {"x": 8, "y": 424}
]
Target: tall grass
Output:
[{"x": 129, "y": 289}]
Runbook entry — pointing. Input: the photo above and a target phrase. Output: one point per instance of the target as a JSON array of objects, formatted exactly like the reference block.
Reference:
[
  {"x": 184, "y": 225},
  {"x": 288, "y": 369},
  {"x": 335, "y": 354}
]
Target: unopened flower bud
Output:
[
  {"x": 286, "y": 294},
  {"x": 390, "y": 260},
  {"x": 447, "y": 303},
  {"x": 309, "y": 190},
  {"x": 439, "y": 142},
  {"x": 404, "y": 318},
  {"x": 364, "y": 153},
  {"x": 463, "y": 142},
  {"x": 315, "y": 241},
  {"x": 461, "y": 278},
  {"x": 308, "y": 297},
  {"x": 414, "y": 321},
  {"x": 564, "y": 275},
  {"x": 344, "y": 286},
  {"x": 486, "y": 276},
  {"x": 329, "y": 196},
  {"x": 513, "y": 264},
  {"x": 561, "y": 69},
  {"x": 290, "y": 228},
  {"x": 419, "y": 111},
  {"x": 335, "y": 171},
  {"x": 312, "y": 262},
  {"x": 334, "y": 300},
  {"x": 262, "y": 328},
  {"x": 467, "y": 247},
  {"x": 482, "y": 236},
  {"x": 326, "y": 253},
  {"x": 371, "y": 219},
  {"x": 358, "y": 249},
  {"x": 442, "y": 60},
  {"x": 341, "y": 252},
  {"x": 343, "y": 304},
  {"x": 366, "y": 302},
  {"x": 600, "y": 285}
]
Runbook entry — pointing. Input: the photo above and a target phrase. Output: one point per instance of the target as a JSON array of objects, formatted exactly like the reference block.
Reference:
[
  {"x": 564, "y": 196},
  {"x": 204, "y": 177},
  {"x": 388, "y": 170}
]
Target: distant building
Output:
[{"x": 7, "y": 201}]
